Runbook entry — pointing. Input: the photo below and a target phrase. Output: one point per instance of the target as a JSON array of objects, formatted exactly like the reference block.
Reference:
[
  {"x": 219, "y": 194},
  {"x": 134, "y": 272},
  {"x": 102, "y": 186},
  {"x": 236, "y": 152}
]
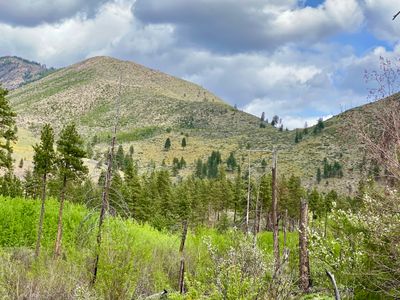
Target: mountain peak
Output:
[{"x": 16, "y": 71}]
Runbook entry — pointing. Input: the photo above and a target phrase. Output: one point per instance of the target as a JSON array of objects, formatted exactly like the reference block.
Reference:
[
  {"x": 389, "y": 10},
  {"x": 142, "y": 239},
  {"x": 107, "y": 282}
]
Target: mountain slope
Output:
[
  {"x": 154, "y": 106},
  {"x": 16, "y": 71}
]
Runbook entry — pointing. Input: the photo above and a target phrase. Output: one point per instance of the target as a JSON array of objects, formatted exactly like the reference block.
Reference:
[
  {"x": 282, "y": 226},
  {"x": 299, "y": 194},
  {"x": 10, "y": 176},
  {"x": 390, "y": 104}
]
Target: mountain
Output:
[
  {"x": 16, "y": 71},
  {"x": 153, "y": 106}
]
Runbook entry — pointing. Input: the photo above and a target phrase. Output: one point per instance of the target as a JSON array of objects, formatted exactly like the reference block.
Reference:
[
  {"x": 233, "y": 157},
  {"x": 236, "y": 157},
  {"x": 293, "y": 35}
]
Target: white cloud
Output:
[
  {"x": 32, "y": 13},
  {"x": 236, "y": 26},
  {"x": 379, "y": 15},
  {"x": 70, "y": 41}
]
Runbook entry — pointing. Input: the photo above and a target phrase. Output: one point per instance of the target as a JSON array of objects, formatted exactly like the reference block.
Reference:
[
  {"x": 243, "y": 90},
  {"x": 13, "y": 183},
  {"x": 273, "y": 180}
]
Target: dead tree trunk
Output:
[
  {"x": 275, "y": 221},
  {"x": 182, "y": 262},
  {"x": 105, "y": 205},
  {"x": 285, "y": 225},
  {"x": 332, "y": 279},
  {"x": 57, "y": 249},
  {"x": 303, "y": 245},
  {"x": 41, "y": 218},
  {"x": 256, "y": 226},
  {"x": 248, "y": 200}
]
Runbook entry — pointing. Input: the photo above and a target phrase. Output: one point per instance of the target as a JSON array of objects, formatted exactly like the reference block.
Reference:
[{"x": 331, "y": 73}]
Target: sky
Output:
[{"x": 298, "y": 59}]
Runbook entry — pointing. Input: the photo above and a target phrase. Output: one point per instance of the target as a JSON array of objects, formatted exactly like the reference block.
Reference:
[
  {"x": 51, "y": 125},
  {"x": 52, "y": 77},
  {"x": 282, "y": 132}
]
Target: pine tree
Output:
[
  {"x": 213, "y": 163},
  {"x": 314, "y": 200},
  {"x": 182, "y": 163},
  {"x": 70, "y": 165},
  {"x": 119, "y": 158},
  {"x": 183, "y": 144},
  {"x": 318, "y": 175},
  {"x": 31, "y": 184},
  {"x": 131, "y": 150},
  {"x": 167, "y": 144},
  {"x": 199, "y": 169},
  {"x": 21, "y": 163},
  {"x": 133, "y": 191},
  {"x": 296, "y": 138},
  {"x": 7, "y": 132},
  {"x": 264, "y": 164},
  {"x": 231, "y": 162},
  {"x": 262, "y": 118},
  {"x": 44, "y": 163},
  {"x": 320, "y": 126},
  {"x": 275, "y": 120}
]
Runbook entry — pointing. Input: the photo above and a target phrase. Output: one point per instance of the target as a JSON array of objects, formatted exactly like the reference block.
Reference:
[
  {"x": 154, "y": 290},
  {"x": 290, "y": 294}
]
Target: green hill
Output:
[{"x": 153, "y": 106}]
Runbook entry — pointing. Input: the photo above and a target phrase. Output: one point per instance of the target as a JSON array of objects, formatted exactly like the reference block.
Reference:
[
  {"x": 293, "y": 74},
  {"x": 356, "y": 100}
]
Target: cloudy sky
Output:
[{"x": 300, "y": 59}]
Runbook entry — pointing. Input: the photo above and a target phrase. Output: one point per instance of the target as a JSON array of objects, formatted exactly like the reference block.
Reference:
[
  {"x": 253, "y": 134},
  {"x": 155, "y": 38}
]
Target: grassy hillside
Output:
[{"x": 154, "y": 106}]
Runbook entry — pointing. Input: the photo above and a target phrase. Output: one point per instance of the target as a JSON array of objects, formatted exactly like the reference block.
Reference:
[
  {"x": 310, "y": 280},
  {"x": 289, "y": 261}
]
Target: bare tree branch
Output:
[{"x": 395, "y": 16}]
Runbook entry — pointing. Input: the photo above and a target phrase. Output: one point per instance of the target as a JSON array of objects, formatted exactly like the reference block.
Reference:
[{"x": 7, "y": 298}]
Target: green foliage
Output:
[
  {"x": 10, "y": 185},
  {"x": 319, "y": 127},
  {"x": 7, "y": 131},
  {"x": 318, "y": 176},
  {"x": 231, "y": 162},
  {"x": 167, "y": 144},
  {"x": 298, "y": 137},
  {"x": 275, "y": 120},
  {"x": 44, "y": 157},
  {"x": 213, "y": 162},
  {"x": 130, "y": 135},
  {"x": 183, "y": 144},
  {"x": 120, "y": 158},
  {"x": 332, "y": 170},
  {"x": 71, "y": 153}
]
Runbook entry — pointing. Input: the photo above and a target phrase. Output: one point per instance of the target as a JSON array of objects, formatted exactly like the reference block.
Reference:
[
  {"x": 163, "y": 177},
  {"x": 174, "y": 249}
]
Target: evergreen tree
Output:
[
  {"x": 318, "y": 175},
  {"x": 315, "y": 203},
  {"x": 7, "y": 132},
  {"x": 120, "y": 158},
  {"x": 264, "y": 164},
  {"x": 213, "y": 163},
  {"x": 183, "y": 144},
  {"x": 70, "y": 165},
  {"x": 275, "y": 120},
  {"x": 133, "y": 191},
  {"x": 262, "y": 119},
  {"x": 21, "y": 163},
  {"x": 320, "y": 126},
  {"x": 43, "y": 160},
  {"x": 31, "y": 184},
  {"x": 182, "y": 163},
  {"x": 231, "y": 162},
  {"x": 199, "y": 169},
  {"x": 296, "y": 138},
  {"x": 11, "y": 186},
  {"x": 167, "y": 144},
  {"x": 131, "y": 150}
]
